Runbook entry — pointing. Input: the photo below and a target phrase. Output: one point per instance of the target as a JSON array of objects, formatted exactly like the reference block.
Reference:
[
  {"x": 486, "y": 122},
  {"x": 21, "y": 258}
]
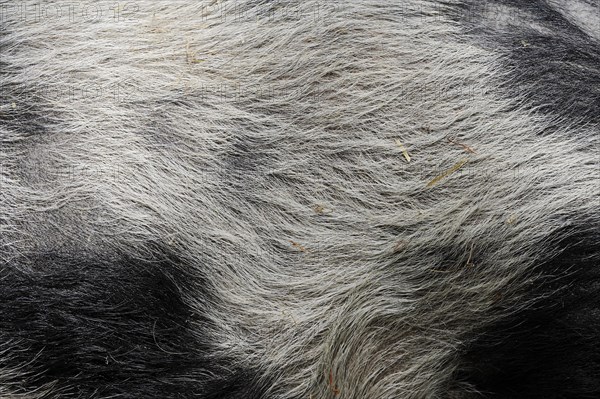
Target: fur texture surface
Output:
[{"x": 266, "y": 199}]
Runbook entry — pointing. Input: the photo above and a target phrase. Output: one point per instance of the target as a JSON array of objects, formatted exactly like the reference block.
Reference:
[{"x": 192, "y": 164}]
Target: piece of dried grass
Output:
[{"x": 447, "y": 173}]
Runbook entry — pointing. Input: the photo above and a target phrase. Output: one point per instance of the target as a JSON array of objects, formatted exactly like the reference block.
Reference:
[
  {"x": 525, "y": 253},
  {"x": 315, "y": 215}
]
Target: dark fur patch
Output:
[
  {"x": 551, "y": 61},
  {"x": 550, "y": 348},
  {"x": 112, "y": 328}
]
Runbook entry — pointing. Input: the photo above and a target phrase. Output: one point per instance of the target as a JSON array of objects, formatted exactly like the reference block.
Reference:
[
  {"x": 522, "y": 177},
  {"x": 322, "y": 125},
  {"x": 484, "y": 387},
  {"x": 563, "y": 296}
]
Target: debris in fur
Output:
[
  {"x": 298, "y": 246},
  {"x": 447, "y": 173},
  {"x": 466, "y": 147},
  {"x": 403, "y": 149}
]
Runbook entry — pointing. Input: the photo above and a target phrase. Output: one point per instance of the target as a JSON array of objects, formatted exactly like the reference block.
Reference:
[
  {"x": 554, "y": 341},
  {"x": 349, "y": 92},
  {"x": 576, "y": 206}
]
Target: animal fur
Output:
[{"x": 265, "y": 199}]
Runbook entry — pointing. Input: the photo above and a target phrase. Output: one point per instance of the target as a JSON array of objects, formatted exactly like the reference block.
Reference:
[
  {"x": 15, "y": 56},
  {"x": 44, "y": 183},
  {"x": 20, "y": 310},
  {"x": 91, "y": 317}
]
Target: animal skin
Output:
[{"x": 259, "y": 199}]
